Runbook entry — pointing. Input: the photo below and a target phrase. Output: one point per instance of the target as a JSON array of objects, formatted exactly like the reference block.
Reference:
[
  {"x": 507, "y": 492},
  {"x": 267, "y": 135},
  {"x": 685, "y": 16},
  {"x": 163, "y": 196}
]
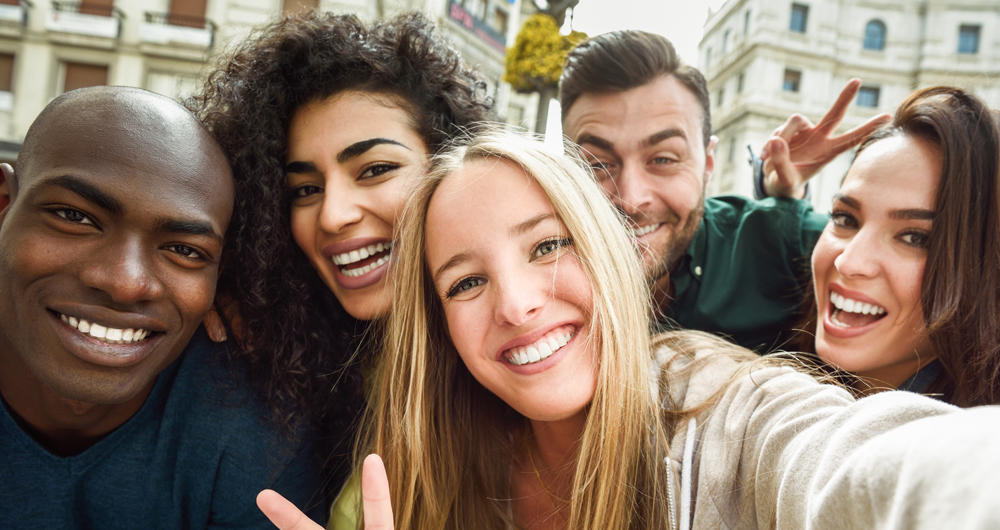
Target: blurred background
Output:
[{"x": 763, "y": 59}]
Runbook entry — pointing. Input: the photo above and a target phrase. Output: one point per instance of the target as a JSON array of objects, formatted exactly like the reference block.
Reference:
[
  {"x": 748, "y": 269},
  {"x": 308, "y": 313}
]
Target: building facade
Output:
[
  {"x": 48, "y": 47},
  {"x": 767, "y": 59}
]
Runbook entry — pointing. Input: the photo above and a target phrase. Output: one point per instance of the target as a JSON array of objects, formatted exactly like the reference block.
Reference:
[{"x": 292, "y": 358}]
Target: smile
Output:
[
  {"x": 374, "y": 256},
  {"x": 848, "y": 313},
  {"x": 639, "y": 231},
  {"x": 540, "y": 349},
  {"x": 104, "y": 333}
]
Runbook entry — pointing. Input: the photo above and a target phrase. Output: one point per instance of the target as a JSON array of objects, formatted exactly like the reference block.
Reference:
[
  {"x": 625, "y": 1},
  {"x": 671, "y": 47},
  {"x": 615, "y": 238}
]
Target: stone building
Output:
[
  {"x": 48, "y": 47},
  {"x": 766, "y": 59}
]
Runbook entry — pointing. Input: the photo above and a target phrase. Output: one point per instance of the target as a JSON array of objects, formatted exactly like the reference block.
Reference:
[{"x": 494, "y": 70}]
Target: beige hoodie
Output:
[{"x": 779, "y": 450}]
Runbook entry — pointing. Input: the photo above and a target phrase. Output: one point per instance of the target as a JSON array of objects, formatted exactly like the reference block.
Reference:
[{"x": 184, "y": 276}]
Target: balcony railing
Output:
[
  {"x": 170, "y": 29},
  {"x": 84, "y": 18},
  {"x": 14, "y": 12}
]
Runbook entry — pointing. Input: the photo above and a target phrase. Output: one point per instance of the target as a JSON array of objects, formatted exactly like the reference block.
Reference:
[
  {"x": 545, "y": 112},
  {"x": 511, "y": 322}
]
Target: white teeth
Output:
[
  {"x": 355, "y": 256},
  {"x": 538, "y": 351},
  {"x": 639, "y": 231},
  {"x": 105, "y": 334},
  {"x": 853, "y": 306},
  {"x": 366, "y": 269},
  {"x": 98, "y": 331}
]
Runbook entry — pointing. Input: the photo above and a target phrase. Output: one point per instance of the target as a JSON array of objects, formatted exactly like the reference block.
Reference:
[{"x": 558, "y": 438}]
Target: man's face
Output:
[
  {"x": 109, "y": 254},
  {"x": 648, "y": 152}
]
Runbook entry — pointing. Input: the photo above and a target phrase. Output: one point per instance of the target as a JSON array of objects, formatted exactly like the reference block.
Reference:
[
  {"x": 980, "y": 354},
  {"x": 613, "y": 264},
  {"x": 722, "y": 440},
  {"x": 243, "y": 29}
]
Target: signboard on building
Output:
[{"x": 477, "y": 26}]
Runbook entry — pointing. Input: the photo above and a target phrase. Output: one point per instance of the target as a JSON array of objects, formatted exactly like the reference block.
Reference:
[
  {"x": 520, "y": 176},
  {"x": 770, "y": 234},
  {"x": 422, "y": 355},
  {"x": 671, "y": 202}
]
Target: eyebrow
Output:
[
  {"x": 455, "y": 260},
  {"x": 352, "y": 151},
  {"x": 89, "y": 192},
  {"x": 656, "y": 138},
  {"x": 191, "y": 228},
  {"x": 903, "y": 214},
  {"x": 596, "y": 141},
  {"x": 359, "y": 148},
  {"x": 524, "y": 226}
]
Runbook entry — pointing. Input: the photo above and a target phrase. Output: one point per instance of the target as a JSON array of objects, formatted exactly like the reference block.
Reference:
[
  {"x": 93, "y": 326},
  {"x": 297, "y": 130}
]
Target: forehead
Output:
[
  {"x": 168, "y": 166},
  {"x": 633, "y": 115},
  {"x": 349, "y": 117},
  {"x": 898, "y": 172},
  {"x": 483, "y": 196}
]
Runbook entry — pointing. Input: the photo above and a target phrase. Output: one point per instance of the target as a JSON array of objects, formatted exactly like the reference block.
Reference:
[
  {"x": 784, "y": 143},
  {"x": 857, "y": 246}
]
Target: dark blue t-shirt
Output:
[{"x": 194, "y": 456}]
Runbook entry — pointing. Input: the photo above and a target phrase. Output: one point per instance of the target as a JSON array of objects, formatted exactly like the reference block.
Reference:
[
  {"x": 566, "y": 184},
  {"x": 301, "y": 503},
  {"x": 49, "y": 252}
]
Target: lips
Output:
[
  {"x": 83, "y": 338},
  {"x": 359, "y": 262},
  {"x": 108, "y": 334},
  {"x": 850, "y": 313},
  {"x": 639, "y": 231}
]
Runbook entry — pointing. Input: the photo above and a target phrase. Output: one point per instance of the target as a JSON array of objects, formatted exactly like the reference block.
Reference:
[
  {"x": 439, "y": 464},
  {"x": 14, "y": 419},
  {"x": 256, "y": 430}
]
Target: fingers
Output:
[
  {"x": 375, "y": 495},
  {"x": 854, "y": 136},
  {"x": 836, "y": 113},
  {"x": 213, "y": 325},
  {"x": 282, "y": 513},
  {"x": 782, "y": 178},
  {"x": 795, "y": 124}
]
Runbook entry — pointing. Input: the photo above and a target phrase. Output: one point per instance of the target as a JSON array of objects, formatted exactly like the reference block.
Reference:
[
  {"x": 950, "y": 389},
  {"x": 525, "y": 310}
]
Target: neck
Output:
[
  {"x": 61, "y": 425},
  {"x": 892, "y": 376},
  {"x": 555, "y": 442}
]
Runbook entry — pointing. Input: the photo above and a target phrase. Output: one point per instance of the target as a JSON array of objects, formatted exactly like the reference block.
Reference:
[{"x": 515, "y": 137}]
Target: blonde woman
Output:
[{"x": 518, "y": 388}]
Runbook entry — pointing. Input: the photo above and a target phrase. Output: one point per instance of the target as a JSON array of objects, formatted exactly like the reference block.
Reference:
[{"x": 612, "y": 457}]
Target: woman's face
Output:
[
  {"x": 515, "y": 296},
  {"x": 868, "y": 265},
  {"x": 352, "y": 159}
]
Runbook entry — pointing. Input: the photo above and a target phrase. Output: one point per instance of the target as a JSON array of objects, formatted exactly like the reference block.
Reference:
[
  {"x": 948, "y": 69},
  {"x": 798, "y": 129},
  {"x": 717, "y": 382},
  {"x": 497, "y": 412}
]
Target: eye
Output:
[
  {"x": 843, "y": 220},
  {"x": 549, "y": 246},
  {"x": 661, "y": 160},
  {"x": 305, "y": 190},
  {"x": 915, "y": 239},
  {"x": 465, "y": 285},
  {"x": 73, "y": 216},
  {"x": 377, "y": 170},
  {"x": 186, "y": 252}
]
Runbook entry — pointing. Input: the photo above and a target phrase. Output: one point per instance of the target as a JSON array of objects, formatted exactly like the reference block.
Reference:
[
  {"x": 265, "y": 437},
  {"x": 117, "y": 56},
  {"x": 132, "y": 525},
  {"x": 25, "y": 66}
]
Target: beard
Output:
[{"x": 657, "y": 262}]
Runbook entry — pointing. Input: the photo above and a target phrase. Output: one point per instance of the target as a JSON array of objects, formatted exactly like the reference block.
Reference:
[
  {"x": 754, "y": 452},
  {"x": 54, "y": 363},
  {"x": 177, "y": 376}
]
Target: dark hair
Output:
[
  {"x": 627, "y": 59},
  {"x": 298, "y": 344},
  {"x": 960, "y": 293}
]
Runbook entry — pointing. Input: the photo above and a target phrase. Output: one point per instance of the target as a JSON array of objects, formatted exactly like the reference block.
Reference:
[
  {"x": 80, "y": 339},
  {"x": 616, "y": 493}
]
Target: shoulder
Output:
[{"x": 791, "y": 221}]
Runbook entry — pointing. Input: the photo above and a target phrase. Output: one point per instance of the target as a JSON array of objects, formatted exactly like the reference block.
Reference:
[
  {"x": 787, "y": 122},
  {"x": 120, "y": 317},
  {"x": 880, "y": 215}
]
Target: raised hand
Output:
[
  {"x": 797, "y": 149},
  {"x": 374, "y": 498}
]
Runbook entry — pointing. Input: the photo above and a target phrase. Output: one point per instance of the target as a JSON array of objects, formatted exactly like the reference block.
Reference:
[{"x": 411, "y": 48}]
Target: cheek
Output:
[
  {"x": 824, "y": 254},
  {"x": 906, "y": 281},
  {"x": 304, "y": 225},
  {"x": 194, "y": 293}
]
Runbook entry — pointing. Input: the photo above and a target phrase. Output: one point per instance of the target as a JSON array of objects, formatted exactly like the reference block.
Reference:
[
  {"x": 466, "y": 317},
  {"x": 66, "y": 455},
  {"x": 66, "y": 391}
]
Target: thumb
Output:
[
  {"x": 781, "y": 176},
  {"x": 375, "y": 495},
  {"x": 282, "y": 513}
]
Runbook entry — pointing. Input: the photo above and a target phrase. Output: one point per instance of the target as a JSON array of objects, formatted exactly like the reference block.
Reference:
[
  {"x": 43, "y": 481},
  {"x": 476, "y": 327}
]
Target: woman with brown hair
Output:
[
  {"x": 906, "y": 275},
  {"x": 327, "y": 122}
]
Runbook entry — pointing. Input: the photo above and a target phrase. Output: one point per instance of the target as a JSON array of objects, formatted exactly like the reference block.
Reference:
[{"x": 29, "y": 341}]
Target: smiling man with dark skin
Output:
[{"x": 116, "y": 413}]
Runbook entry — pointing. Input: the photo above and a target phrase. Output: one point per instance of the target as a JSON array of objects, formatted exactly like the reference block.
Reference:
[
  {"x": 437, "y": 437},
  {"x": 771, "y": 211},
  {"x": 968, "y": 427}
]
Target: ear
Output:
[
  {"x": 8, "y": 188},
  {"x": 710, "y": 157}
]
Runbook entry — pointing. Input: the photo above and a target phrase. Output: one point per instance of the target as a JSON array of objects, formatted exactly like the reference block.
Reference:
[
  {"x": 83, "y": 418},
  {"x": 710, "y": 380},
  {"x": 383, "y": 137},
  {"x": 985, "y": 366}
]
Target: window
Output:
[
  {"x": 875, "y": 35},
  {"x": 6, "y": 72},
  {"x": 725, "y": 42},
  {"x": 792, "y": 80},
  {"x": 800, "y": 14},
  {"x": 97, "y": 7},
  {"x": 708, "y": 58},
  {"x": 500, "y": 21},
  {"x": 83, "y": 75},
  {"x": 187, "y": 13},
  {"x": 746, "y": 22},
  {"x": 868, "y": 96},
  {"x": 721, "y": 98},
  {"x": 968, "y": 38},
  {"x": 739, "y": 83},
  {"x": 298, "y": 6},
  {"x": 732, "y": 150}
]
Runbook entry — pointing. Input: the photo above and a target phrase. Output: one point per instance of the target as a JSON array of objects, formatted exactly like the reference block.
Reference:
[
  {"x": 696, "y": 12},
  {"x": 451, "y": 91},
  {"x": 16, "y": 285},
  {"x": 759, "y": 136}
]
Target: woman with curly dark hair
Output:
[{"x": 327, "y": 122}]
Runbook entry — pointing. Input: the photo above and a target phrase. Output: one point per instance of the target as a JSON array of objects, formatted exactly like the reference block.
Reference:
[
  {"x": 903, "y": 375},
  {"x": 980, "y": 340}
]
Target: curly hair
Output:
[{"x": 299, "y": 347}]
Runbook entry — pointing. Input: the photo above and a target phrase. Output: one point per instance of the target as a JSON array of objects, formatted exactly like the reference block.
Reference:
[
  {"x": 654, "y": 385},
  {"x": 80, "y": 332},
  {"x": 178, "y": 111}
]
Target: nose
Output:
[
  {"x": 519, "y": 299},
  {"x": 125, "y": 270},
  {"x": 341, "y": 207},
  {"x": 631, "y": 191},
  {"x": 860, "y": 257}
]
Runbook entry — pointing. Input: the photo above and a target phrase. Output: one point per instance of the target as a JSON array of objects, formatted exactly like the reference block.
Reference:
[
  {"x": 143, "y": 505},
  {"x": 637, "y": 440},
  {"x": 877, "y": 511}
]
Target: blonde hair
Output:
[{"x": 447, "y": 442}]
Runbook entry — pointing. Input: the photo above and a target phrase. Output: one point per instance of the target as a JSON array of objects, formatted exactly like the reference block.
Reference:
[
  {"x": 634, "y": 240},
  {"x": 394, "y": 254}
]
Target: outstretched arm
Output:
[
  {"x": 798, "y": 149},
  {"x": 375, "y": 500}
]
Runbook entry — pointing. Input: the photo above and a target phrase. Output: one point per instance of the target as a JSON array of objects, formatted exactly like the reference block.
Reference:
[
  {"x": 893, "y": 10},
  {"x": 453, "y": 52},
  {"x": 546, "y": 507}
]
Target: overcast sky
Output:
[{"x": 681, "y": 21}]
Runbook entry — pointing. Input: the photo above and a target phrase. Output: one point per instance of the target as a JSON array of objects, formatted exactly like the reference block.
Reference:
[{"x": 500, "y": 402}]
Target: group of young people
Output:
[{"x": 526, "y": 338}]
